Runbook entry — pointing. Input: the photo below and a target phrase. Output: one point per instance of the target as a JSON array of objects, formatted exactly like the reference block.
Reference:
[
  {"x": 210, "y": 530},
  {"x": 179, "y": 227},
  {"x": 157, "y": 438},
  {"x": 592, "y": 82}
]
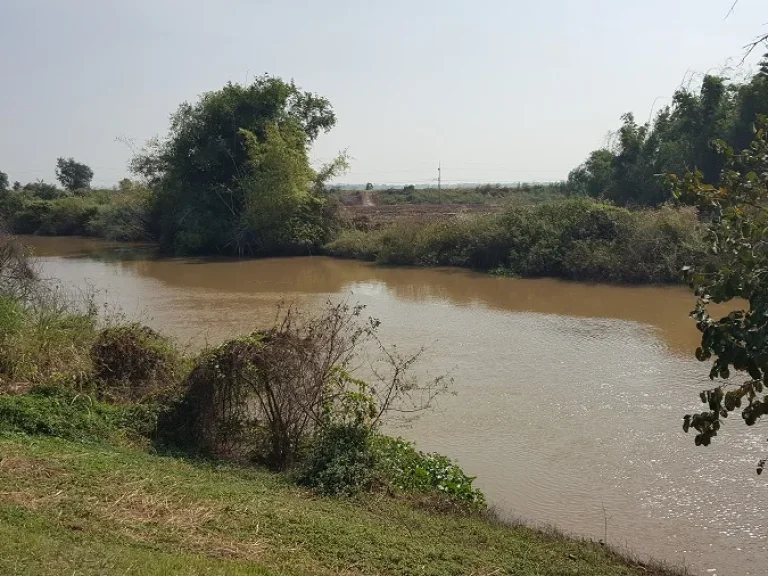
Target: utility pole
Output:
[{"x": 439, "y": 182}]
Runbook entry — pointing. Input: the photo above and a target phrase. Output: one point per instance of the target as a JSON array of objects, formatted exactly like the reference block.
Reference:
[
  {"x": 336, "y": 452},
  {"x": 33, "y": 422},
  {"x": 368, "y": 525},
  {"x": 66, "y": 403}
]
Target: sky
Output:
[{"x": 494, "y": 90}]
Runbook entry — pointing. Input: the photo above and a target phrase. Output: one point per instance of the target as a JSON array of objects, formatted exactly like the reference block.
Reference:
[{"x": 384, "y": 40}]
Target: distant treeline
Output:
[{"x": 683, "y": 136}]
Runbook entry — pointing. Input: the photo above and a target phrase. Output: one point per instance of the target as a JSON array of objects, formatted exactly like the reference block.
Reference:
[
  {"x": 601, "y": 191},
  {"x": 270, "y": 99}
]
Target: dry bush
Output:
[
  {"x": 17, "y": 276},
  {"x": 265, "y": 396},
  {"x": 132, "y": 362}
]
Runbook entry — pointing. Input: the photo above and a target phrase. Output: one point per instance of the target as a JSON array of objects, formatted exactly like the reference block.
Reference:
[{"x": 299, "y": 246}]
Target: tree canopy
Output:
[
  {"x": 73, "y": 175},
  {"x": 3, "y": 181},
  {"x": 632, "y": 169},
  {"x": 233, "y": 174}
]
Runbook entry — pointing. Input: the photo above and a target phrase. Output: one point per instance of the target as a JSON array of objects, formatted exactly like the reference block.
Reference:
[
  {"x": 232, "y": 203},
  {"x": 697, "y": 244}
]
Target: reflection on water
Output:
[{"x": 569, "y": 396}]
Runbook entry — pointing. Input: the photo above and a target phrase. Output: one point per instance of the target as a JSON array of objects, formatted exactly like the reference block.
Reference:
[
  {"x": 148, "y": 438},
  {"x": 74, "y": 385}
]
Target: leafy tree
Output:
[
  {"x": 678, "y": 139},
  {"x": 3, "y": 181},
  {"x": 369, "y": 186},
  {"x": 73, "y": 175},
  {"x": 594, "y": 177},
  {"x": 16, "y": 186},
  {"x": 738, "y": 342},
  {"x": 209, "y": 169}
]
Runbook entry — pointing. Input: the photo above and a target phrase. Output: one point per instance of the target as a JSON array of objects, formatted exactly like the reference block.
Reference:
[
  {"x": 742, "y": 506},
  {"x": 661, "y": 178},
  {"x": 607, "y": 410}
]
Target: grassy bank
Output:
[
  {"x": 263, "y": 455},
  {"x": 68, "y": 508},
  {"x": 572, "y": 239}
]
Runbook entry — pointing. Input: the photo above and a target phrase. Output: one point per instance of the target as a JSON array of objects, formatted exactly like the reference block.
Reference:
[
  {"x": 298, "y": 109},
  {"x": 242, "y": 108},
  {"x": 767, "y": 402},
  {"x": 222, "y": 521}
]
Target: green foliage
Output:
[
  {"x": 73, "y": 175},
  {"x": 280, "y": 215},
  {"x": 103, "y": 213},
  {"x": 738, "y": 224},
  {"x": 680, "y": 136},
  {"x": 56, "y": 411},
  {"x": 347, "y": 459},
  {"x": 66, "y": 216},
  {"x": 237, "y": 152},
  {"x": 404, "y": 468},
  {"x": 341, "y": 461},
  {"x": 132, "y": 362},
  {"x": 4, "y": 185},
  {"x": 575, "y": 239},
  {"x": 42, "y": 190},
  {"x": 126, "y": 217}
]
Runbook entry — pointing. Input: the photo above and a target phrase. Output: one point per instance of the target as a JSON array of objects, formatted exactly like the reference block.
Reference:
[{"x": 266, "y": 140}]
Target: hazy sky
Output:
[{"x": 498, "y": 90}]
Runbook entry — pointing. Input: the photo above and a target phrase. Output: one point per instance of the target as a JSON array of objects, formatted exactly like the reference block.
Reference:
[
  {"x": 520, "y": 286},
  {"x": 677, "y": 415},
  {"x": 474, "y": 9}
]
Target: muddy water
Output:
[{"x": 568, "y": 397}]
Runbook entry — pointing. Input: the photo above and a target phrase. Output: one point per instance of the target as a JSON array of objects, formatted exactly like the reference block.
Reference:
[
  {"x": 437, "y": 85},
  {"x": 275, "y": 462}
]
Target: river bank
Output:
[
  {"x": 83, "y": 396},
  {"x": 94, "y": 510},
  {"x": 513, "y": 347}
]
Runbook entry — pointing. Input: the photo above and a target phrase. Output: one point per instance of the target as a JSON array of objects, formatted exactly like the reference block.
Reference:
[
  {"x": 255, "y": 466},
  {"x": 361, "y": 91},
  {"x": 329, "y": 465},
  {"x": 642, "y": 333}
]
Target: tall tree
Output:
[
  {"x": 3, "y": 181},
  {"x": 73, "y": 175}
]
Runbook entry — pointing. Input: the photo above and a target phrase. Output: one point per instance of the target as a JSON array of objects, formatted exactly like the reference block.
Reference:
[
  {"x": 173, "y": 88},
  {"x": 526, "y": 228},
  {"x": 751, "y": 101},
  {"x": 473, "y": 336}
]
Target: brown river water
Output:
[{"x": 568, "y": 397}]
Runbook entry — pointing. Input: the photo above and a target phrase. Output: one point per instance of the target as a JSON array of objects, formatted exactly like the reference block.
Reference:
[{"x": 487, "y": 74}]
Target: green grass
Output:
[{"x": 69, "y": 508}]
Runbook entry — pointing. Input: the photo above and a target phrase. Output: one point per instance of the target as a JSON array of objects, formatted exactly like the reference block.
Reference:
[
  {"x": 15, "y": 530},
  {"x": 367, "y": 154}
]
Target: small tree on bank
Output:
[
  {"x": 737, "y": 344},
  {"x": 73, "y": 175}
]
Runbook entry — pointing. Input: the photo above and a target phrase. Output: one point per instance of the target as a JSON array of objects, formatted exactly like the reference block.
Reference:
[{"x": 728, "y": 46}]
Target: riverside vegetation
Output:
[
  {"x": 271, "y": 424},
  {"x": 263, "y": 455},
  {"x": 232, "y": 176}
]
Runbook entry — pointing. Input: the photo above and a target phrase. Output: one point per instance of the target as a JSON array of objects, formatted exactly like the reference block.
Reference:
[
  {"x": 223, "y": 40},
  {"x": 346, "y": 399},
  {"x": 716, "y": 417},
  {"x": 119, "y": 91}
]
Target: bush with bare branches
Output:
[{"x": 265, "y": 396}]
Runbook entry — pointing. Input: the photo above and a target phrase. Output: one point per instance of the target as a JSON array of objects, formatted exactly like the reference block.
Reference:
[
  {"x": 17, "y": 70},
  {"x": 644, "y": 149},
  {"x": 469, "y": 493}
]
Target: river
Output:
[{"x": 568, "y": 398}]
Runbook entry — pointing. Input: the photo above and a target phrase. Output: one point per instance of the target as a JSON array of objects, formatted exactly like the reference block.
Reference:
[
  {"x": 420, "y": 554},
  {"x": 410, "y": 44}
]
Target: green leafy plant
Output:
[
  {"x": 737, "y": 344},
  {"x": 401, "y": 466}
]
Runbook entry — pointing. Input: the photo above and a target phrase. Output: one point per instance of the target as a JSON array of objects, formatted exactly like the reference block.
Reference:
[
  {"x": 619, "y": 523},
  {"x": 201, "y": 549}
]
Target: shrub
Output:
[
  {"x": 125, "y": 218},
  {"x": 132, "y": 362},
  {"x": 352, "y": 243},
  {"x": 402, "y": 467},
  {"x": 263, "y": 396},
  {"x": 341, "y": 462},
  {"x": 17, "y": 276},
  {"x": 218, "y": 413},
  {"x": 349, "y": 459},
  {"x": 267, "y": 396},
  {"x": 575, "y": 239},
  {"x": 67, "y": 216}
]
